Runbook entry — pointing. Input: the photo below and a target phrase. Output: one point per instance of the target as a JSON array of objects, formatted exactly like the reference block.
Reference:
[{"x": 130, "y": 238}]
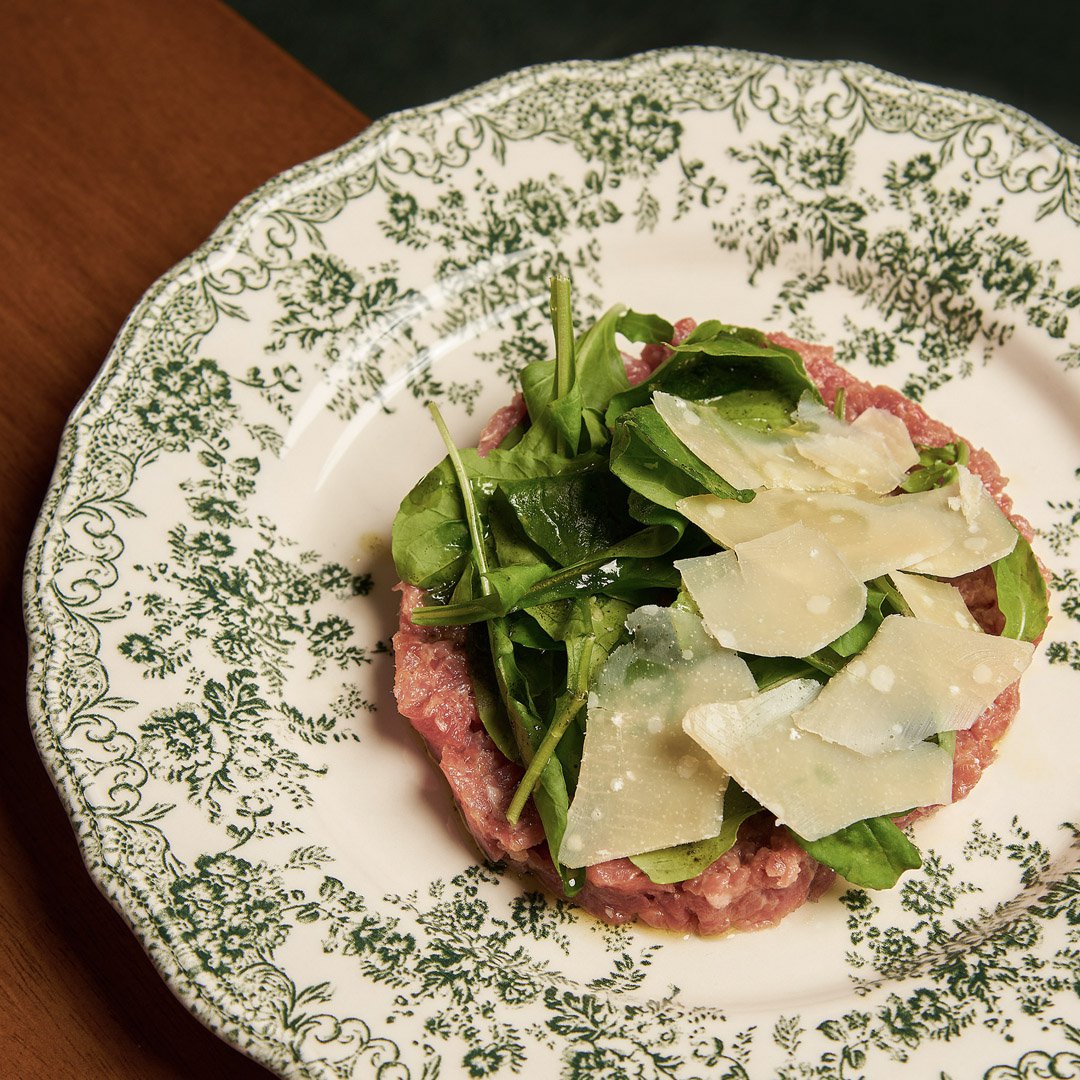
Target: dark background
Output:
[{"x": 385, "y": 55}]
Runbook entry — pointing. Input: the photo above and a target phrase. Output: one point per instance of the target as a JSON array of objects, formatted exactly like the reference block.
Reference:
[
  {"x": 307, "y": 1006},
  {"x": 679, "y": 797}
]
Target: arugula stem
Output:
[
  {"x": 824, "y": 662},
  {"x": 892, "y": 594},
  {"x": 568, "y": 709},
  {"x": 472, "y": 515},
  {"x": 562, "y": 323},
  {"x": 498, "y": 639},
  {"x": 838, "y": 403},
  {"x": 561, "y": 721},
  {"x": 524, "y": 723},
  {"x": 459, "y": 614}
]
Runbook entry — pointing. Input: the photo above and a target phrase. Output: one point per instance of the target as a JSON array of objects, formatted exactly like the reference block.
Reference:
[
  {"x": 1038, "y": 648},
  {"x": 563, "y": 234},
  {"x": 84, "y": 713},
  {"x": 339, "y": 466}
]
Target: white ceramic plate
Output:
[{"x": 208, "y": 590}]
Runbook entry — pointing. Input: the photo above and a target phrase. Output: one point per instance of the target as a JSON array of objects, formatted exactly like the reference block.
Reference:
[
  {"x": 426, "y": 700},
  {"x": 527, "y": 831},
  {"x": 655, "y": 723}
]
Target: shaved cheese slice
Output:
[
  {"x": 935, "y": 601},
  {"x": 893, "y": 432},
  {"x": 698, "y": 668},
  {"x": 787, "y": 593},
  {"x": 812, "y": 785},
  {"x": 914, "y": 679},
  {"x": 982, "y": 533},
  {"x": 743, "y": 457},
  {"x": 644, "y": 783},
  {"x": 873, "y": 535},
  {"x": 874, "y": 451}
]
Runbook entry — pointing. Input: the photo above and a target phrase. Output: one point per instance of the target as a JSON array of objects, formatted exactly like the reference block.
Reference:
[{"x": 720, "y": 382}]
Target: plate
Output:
[{"x": 209, "y": 604}]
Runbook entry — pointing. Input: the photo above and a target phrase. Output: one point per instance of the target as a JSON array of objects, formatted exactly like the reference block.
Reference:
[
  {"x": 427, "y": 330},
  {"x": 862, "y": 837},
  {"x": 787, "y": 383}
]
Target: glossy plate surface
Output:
[{"x": 208, "y": 589}]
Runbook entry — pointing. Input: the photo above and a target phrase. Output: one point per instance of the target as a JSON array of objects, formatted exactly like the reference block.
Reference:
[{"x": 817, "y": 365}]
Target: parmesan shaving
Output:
[
  {"x": 873, "y": 535},
  {"x": 813, "y": 786},
  {"x": 914, "y": 679},
  {"x": 981, "y": 533},
  {"x": 935, "y": 601},
  {"x": 644, "y": 783},
  {"x": 743, "y": 457},
  {"x": 787, "y": 593},
  {"x": 874, "y": 451}
]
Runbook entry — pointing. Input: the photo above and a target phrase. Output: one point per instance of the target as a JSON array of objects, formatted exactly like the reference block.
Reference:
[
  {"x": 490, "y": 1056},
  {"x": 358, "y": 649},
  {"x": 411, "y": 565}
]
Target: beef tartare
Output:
[{"x": 575, "y": 583}]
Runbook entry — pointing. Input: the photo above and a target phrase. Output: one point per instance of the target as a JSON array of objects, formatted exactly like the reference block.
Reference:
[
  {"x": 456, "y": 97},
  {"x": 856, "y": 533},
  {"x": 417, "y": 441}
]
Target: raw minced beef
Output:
[{"x": 766, "y": 874}]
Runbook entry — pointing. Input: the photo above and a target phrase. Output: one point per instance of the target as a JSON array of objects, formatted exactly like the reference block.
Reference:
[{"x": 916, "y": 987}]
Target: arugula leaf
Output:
[
  {"x": 770, "y": 671},
  {"x": 527, "y": 578},
  {"x": 566, "y": 413},
  {"x": 760, "y": 410},
  {"x": 685, "y": 861},
  {"x": 608, "y": 620},
  {"x": 597, "y": 373},
  {"x": 490, "y": 708},
  {"x": 550, "y": 796},
  {"x": 514, "y": 687},
  {"x": 824, "y": 660},
  {"x": 872, "y": 853},
  {"x": 523, "y": 723},
  {"x": 465, "y": 612},
  {"x": 858, "y": 637},
  {"x": 600, "y": 372},
  {"x": 650, "y": 329},
  {"x": 946, "y": 740},
  {"x": 706, "y": 370},
  {"x": 937, "y": 466},
  {"x": 650, "y": 459},
  {"x": 529, "y": 631},
  {"x": 612, "y": 576},
  {"x": 714, "y": 328},
  {"x": 1021, "y": 593},
  {"x": 430, "y": 539},
  {"x": 512, "y": 437},
  {"x": 574, "y": 515},
  {"x": 551, "y": 618},
  {"x": 513, "y": 544},
  {"x": 516, "y": 588},
  {"x": 893, "y": 598},
  {"x": 552, "y": 802},
  {"x": 520, "y": 722},
  {"x": 519, "y": 565},
  {"x": 649, "y": 513},
  {"x": 537, "y": 388},
  {"x": 882, "y": 598},
  {"x": 544, "y": 674},
  {"x": 586, "y": 634},
  {"x": 562, "y": 323}
]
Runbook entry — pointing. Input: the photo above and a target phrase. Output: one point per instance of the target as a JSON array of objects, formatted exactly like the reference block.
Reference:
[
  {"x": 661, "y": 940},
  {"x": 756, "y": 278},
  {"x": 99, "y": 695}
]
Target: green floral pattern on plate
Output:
[{"x": 207, "y": 589}]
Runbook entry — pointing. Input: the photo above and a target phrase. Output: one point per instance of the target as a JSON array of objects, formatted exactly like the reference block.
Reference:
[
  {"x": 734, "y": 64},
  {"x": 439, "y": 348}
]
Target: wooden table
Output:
[{"x": 128, "y": 129}]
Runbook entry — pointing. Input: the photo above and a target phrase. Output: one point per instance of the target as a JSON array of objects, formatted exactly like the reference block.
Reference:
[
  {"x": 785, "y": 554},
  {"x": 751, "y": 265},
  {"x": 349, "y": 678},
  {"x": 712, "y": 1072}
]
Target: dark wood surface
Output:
[{"x": 128, "y": 129}]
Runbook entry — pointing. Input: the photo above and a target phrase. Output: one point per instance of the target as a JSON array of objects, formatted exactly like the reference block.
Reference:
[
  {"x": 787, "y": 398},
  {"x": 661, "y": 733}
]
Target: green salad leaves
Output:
[{"x": 546, "y": 544}]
